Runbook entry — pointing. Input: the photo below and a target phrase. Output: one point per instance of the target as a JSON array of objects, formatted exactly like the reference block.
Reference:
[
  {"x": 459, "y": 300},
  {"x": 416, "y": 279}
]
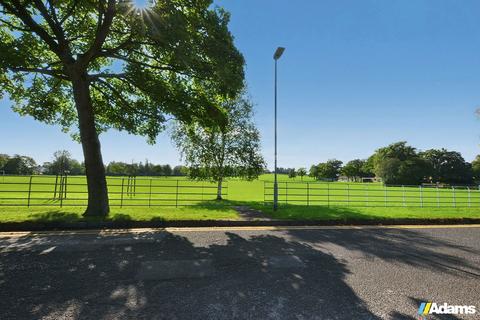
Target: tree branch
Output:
[
  {"x": 18, "y": 9},
  {"x": 11, "y": 25},
  {"x": 106, "y": 75},
  {"x": 105, "y": 20},
  {"x": 52, "y": 21},
  {"x": 125, "y": 103},
  {"x": 48, "y": 72},
  {"x": 69, "y": 12}
]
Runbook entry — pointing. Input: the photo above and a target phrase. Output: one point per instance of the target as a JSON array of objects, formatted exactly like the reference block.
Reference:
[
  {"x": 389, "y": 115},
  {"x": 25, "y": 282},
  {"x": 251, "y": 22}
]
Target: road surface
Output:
[{"x": 239, "y": 273}]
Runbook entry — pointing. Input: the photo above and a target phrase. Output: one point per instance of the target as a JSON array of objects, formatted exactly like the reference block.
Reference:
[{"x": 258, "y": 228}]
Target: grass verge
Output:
[
  {"x": 74, "y": 214},
  {"x": 322, "y": 213}
]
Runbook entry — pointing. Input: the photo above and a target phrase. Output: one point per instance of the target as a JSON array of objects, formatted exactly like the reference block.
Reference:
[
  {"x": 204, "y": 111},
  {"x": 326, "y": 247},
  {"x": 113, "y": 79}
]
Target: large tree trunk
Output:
[
  {"x": 95, "y": 170},
  {"x": 219, "y": 189}
]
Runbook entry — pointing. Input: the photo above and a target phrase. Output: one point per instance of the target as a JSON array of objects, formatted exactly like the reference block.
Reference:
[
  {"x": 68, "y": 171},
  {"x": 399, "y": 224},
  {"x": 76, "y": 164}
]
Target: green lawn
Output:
[
  {"x": 72, "y": 214},
  {"x": 295, "y": 212},
  {"x": 326, "y": 201}
]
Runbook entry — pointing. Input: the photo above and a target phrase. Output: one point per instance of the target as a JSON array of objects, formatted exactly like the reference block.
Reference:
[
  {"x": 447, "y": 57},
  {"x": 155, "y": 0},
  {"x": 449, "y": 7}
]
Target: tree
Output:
[
  {"x": 180, "y": 171},
  {"x": 167, "y": 170},
  {"x": 313, "y": 172},
  {"x": 217, "y": 152},
  {"x": 117, "y": 168},
  {"x": 329, "y": 170},
  {"x": 103, "y": 64},
  {"x": 3, "y": 161},
  {"x": 20, "y": 165},
  {"x": 63, "y": 163},
  {"x": 354, "y": 169},
  {"x": 476, "y": 169},
  {"x": 399, "y": 150},
  {"x": 369, "y": 167},
  {"x": 389, "y": 170},
  {"x": 448, "y": 166},
  {"x": 292, "y": 173},
  {"x": 302, "y": 172},
  {"x": 400, "y": 163}
]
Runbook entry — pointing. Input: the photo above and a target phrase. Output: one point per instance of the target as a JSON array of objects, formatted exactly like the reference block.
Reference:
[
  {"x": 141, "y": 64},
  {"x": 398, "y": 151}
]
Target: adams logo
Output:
[{"x": 427, "y": 308}]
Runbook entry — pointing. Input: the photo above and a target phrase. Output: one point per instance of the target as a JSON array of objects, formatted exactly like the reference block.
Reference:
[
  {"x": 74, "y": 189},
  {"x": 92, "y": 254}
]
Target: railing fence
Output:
[
  {"x": 371, "y": 195},
  {"x": 123, "y": 191}
]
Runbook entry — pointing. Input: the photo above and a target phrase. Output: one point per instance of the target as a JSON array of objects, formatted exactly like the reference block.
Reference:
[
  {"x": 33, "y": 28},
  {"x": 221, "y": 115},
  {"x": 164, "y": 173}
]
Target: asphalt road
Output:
[{"x": 359, "y": 273}]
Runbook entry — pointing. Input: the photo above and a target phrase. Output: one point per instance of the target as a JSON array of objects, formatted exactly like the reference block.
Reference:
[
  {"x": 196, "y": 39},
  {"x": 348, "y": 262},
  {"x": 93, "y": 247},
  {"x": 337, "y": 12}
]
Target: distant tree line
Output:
[
  {"x": 395, "y": 164},
  {"x": 401, "y": 164},
  {"x": 115, "y": 168},
  {"x": 17, "y": 164},
  {"x": 63, "y": 163}
]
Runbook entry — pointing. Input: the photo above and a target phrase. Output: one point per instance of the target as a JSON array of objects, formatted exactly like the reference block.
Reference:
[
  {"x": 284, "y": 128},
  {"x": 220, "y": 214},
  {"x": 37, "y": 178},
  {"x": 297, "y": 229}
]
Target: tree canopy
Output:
[
  {"x": 18, "y": 164},
  {"x": 292, "y": 174},
  {"x": 63, "y": 163},
  {"x": 142, "y": 65},
  {"x": 222, "y": 151},
  {"x": 476, "y": 169},
  {"x": 326, "y": 170},
  {"x": 354, "y": 169},
  {"x": 399, "y": 163},
  {"x": 447, "y": 166},
  {"x": 93, "y": 65},
  {"x": 302, "y": 172}
]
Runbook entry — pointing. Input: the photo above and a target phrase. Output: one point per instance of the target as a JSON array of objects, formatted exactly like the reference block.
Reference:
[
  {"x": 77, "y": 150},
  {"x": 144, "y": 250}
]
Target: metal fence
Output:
[
  {"x": 59, "y": 191},
  {"x": 372, "y": 195}
]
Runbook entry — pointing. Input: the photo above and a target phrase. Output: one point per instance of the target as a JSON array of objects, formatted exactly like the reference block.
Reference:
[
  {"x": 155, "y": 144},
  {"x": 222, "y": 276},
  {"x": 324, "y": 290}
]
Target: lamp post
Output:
[{"x": 276, "y": 56}]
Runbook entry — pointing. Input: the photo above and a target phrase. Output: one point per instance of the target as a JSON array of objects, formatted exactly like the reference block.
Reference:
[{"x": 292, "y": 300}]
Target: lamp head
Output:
[{"x": 278, "y": 53}]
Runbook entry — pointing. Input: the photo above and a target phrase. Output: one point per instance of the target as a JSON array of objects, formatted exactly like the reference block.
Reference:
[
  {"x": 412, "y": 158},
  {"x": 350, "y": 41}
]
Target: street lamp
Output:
[{"x": 276, "y": 56}]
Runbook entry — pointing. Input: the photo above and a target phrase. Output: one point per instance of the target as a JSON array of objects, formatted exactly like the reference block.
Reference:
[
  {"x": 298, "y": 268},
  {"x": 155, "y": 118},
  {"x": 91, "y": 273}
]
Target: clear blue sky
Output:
[{"x": 356, "y": 75}]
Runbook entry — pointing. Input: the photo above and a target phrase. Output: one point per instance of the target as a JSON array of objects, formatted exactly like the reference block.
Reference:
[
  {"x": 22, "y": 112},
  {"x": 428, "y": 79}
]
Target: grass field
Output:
[{"x": 157, "y": 198}]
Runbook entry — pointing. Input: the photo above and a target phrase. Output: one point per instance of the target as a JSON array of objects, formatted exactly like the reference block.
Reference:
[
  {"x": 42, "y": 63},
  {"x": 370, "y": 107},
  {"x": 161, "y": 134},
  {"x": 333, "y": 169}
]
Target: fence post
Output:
[
  {"x": 421, "y": 196},
  {"x": 454, "y": 198},
  {"x": 62, "y": 187},
  {"x": 121, "y": 194},
  {"x": 29, "y": 191},
  {"x": 348, "y": 194},
  {"x": 469, "y": 202},
  {"x": 176, "y": 197},
  {"x": 66, "y": 185},
  {"x": 150, "y": 194},
  {"x": 55, "y": 190},
  {"x": 264, "y": 191},
  {"x": 438, "y": 197},
  {"x": 366, "y": 194},
  {"x": 385, "y": 190},
  {"x": 328, "y": 194},
  {"x": 308, "y": 194},
  {"x": 61, "y": 191},
  {"x": 403, "y": 195},
  {"x": 286, "y": 192}
]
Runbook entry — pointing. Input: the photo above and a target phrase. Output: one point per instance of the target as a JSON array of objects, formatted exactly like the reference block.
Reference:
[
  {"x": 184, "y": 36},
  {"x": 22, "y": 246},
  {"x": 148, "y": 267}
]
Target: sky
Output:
[{"x": 355, "y": 76}]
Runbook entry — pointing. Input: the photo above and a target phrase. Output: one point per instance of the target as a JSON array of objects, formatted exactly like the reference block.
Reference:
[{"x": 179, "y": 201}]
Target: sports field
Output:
[
  {"x": 123, "y": 191},
  {"x": 176, "y": 198}
]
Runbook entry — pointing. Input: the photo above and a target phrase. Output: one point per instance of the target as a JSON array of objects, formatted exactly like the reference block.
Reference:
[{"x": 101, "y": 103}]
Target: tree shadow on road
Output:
[
  {"x": 400, "y": 246},
  {"x": 100, "y": 277},
  {"x": 270, "y": 276}
]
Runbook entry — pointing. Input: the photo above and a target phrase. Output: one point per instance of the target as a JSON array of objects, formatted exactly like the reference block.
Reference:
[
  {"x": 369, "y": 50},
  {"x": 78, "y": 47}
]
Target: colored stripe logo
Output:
[
  {"x": 427, "y": 308},
  {"x": 424, "y": 308}
]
